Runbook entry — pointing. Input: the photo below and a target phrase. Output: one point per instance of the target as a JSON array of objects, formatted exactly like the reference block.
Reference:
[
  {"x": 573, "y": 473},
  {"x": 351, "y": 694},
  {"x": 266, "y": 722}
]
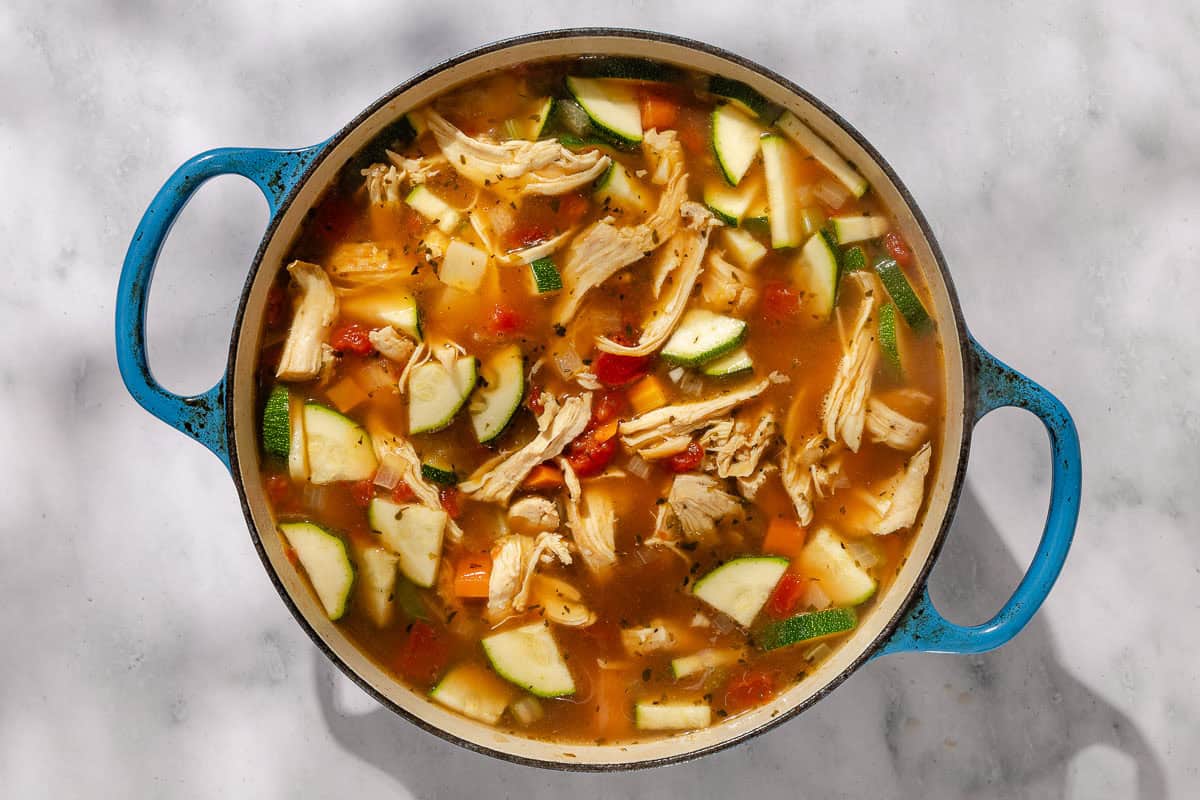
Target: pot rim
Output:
[{"x": 969, "y": 398}]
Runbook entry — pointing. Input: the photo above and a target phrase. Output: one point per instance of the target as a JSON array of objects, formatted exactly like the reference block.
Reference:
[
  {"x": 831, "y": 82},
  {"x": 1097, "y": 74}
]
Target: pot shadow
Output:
[{"x": 1002, "y": 724}]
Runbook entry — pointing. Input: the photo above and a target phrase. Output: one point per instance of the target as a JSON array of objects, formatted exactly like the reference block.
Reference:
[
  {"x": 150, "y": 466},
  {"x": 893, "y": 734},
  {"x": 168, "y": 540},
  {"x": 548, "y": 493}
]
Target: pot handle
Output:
[
  {"x": 923, "y": 628},
  {"x": 200, "y": 416}
]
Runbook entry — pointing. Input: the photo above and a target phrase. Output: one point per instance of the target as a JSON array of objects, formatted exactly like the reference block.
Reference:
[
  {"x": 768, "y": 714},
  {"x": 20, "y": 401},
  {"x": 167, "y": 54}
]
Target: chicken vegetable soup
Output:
[{"x": 599, "y": 400}]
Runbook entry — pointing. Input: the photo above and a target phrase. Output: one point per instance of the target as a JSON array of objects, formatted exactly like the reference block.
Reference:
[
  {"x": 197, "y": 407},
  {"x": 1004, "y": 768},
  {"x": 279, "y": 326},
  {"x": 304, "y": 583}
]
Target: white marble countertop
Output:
[{"x": 143, "y": 652}]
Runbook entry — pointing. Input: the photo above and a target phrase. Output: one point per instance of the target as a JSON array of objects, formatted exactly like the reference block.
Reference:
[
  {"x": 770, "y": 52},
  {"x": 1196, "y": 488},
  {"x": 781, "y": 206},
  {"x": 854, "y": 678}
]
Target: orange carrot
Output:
[
  {"x": 658, "y": 111},
  {"x": 647, "y": 394},
  {"x": 472, "y": 575},
  {"x": 784, "y": 538},
  {"x": 608, "y": 430},
  {"x": 543, "y": 476}
]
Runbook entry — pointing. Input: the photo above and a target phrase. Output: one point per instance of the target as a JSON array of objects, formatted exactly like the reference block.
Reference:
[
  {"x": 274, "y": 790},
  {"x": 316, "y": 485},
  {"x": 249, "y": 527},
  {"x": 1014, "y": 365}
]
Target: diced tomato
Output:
[
  {"x": 686, "y": 460},
  {"x": 780, "y": 301},
  {"x": 276, "y": 306},
  {"x": 403, "y": 493},
  {"x": 503, "y": 320},
  {"x": 423, "y": 654},
  {"x": 615, "y": 370},
  {"x": 534, "y": 401},
  {"x": 786, "y": 598},
  {"x": 362, "y": 492},
  {"x": 279, "y": 489},
  {"x": 606, "y": 407},
  {"x": 572, "y": 208},
  {"x": 448, "y": 495},
  {"x": 657, "y": 111},
  {"x": 527, "y": 234},
  {"x": 352, "y": 338},
  {"x": 588, "y": 456},
  {"x": 748, "y": 689},
  {"x": 898, "y": 248}
]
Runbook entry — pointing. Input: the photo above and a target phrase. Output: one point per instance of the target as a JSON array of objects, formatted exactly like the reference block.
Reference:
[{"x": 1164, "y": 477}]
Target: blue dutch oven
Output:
[{"x": 223, "y": 418}]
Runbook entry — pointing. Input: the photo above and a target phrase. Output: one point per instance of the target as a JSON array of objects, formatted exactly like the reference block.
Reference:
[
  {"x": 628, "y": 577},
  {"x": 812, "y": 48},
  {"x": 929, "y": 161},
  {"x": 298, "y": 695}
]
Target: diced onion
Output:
[
  {"x": 691, "y": 384},
  {"x": 638, "y": 466},
  {"x": 831, "y": 193},
  {"x": 314, "y": 497},
  {"x": 568, "y": 362},
  {"x": 527, "y": 710},
  {"x": 389, "y": 474},
  {"x": 863, "y": 552},
  {"x": 573, "y": 117},
  {"x": 676, "y": 374},
  {"x": 815, "y": 596},
  {"x": 817, "y": 652},
  {"x": 375, "y": 375}
]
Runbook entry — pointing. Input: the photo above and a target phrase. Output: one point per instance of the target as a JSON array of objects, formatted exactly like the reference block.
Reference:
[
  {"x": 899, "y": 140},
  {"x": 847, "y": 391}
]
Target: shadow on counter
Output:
[{"x": 1006, "y": 723}]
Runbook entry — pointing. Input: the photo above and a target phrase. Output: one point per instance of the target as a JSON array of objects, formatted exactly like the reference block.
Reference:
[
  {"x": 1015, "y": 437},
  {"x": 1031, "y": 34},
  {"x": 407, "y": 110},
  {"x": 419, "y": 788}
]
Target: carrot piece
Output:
[
  {"x": 612, "y": 717},
  {"x": 658, "y": 111},
  {"x": 608, "y": 430},
  {"x": 784, "y": 537},
  {"x": 543, "y": 476},
  {"x": 647, "y": 394},
  {"x": 472, "y": 575}
]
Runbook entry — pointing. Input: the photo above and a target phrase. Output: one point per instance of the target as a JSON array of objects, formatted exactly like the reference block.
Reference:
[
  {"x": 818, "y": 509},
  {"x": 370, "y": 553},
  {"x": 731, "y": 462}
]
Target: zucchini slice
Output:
[
  {"x": 298, "y": 447},
  {"x": 497, "y": 400},
  {"x": 807, "y": 627},
  {"x": 903, "y": 296},
  {"x": 854, "y": 259},
  {"x": 628, "y": 68},
  {"x": 529, "y": 657},
  {"x": 463, "y": 266},
  {"x": 703, "y": 336},
  {"x": 654, "y": 716},
  {"x": 434, "y": 209},
  {"x": 546, "y": 277},
  {"x": 740, "y": 588},
  {"x": 338, "y": 448},
  {"x": 731, "y": 204},
  {"x": 389, "y": 307},
  {"x": 735, "y": 362},
  {"x": 735, "y": 139},
  {"x": 858, "y": 229},
  {"x": 802, "y": 135},
  {"x": 889, "y": 339},
  {"x": 825, "y": 559},
  {"x": 377, "y": 583},
  {"x": 617, "y": 189},
  {"x": 686, "y": 666},
  {"x": 743, "y": 247},
  {"x": 818, "y": 268},
  {"x": 326, "y": 563},
  {"x": 414, "y": 533},
  {"x": 612, "y": 106},
  {"x": 473, "y": 691},
  {"x": 439, "y": 471},
  {"x": 436, "y": 394},
  {"x": 276, "y": 423},
  {"x": 783, "y": 205},
  {"x": 743, "y": 97},
  {"x": 541, "y": 120}
]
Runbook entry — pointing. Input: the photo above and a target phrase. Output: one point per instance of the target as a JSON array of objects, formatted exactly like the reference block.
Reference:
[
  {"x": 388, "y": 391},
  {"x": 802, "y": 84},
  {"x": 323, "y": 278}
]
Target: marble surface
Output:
[{"x": 143, "y": 652}]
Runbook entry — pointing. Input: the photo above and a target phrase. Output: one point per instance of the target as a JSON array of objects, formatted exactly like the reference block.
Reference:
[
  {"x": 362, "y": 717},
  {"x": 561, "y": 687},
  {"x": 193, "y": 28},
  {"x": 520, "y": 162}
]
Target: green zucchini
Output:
[
  {"x": 802, "y": 135},
  {"x": 616, "y": 188},
  {"x": 473, "y": 691},
  {"x": 627, "y": 68},
  {"x": 434, "y": 209},
  {"x": 439, "y": 470},
  {"x": 743, "y": 247},
  {"x": 858, "y": 229},
  {"x": 545, "y": 274},
  {"x": 744, "y": 97},
  {"x": 731, "y": 204},
  {"x": 392, "y": 307},
  {"x": 338, "y": 448},
  {"x": 854, "y": 259},
  {"x": 906, "y": 300},
  {"x": 686, "y": 666},
  {"x": 703, "y": 336},
  {"x": 740, "y": 588},
  {"x": 735, "y": 138},
  {"x": 414, "y": 533},
  {"x": 782, "y": 203},
  {"x": 818, "y": 268},
  {"x": 651, "y": 715},
  {"x": 436, "y": 394},
  {"x": 735, "y": 362},
  {"x": 889, "y": 339},
  {"x": 612, "y": 105},
  {"x": 529, "y": 657},
  {"x": 807, "y": 627},
  {"x": 500, "y": 394},
  {"x": 826, "y": 560},
  {"x": 377, "y": 583},
  {"x": 325, "y": 562},
  {"x": 276, "y": 423}
]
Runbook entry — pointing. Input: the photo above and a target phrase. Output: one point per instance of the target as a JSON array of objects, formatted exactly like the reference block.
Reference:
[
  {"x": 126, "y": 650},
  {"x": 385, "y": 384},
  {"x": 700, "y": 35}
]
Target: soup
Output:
[{"x": 599, "y": 400}]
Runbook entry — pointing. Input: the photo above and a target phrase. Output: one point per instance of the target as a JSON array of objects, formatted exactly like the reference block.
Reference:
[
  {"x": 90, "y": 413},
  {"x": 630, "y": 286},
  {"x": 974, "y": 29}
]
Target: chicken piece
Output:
[
  {"x": 557, "y": 426},
  {"x": 688, "y": 246},
  {"x": 487, "y": 237},
  {"x": 515, "y": 559},
  {"x": 733, "y": 449},
  {"x": 392, "y": 449},
  {"x": 695, "y": 504},
  {"x": 592, "y": 521},
  {"x": 666, "y": 431},
  {"x": 899, "y": 503},
  {"x": 417, "y": 170},
  {"x": 886, "y": 425},
  {"x": 561, "y": 602},
  {"x": 657, "y": 637},
  {"x": 748, "y": 487},
  {"x": 604, "y": 249},
  {"x": 517, "y": 167},
  {"x": 727, "y": 289},
  {"x": 353, "y": 259},
  {"x": 384, "y": 182},
  {"x": 533, "y": 514},
  {"x": 844, "y": 410},
  {"x": 808, "y": 473},
  {"x": 303, "y": 355},
  {"x": 392, "y": 345}
]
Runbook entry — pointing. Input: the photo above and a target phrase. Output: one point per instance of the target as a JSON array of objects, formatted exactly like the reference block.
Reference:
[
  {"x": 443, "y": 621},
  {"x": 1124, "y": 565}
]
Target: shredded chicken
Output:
[
  {"x": 543, "y": 167},
  {"x": 391, "y": 449},
  {"x": 657, "y": 637},
  {"x": 695, "y": 504},
  {"x": 899, "y": 503},
  {"x": 885, "y": 424},
  {"x": 733, "y": 449},
  {"x": 808, "y": 473},
  {"x": 845, "y": 407},
  {"x": 384, "y": 184},
  {"x": 689, "y": 244},
  {"x": 533, "y": 514},
  {"x": 726, "y": 288},
  {"x": 603, "y": 249},
  {"x": 303, "y": 355},
  {"x": 748, "y": 487},
  {"x": 557, "y": 426},
  {"x": 392, "y": 345},
  {"x": 592, "y": 521},
  {"x": 418, "y": 170},
  {"x": 351, "y": 260},
  {"x": 527, "y": 255},
  {"x": 666, "y": 431},
  {"x": 515, "y": 559}
]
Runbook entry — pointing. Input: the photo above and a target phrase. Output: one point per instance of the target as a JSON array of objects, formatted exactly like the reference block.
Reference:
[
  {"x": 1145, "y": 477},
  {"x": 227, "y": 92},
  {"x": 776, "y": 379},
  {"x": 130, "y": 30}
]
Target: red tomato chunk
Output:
[
  {"x": 687, "y": 460},
  {"x": 614, "y": 370},
  {"x": 423, "y": 654},
  {"x": 352, "y": 338}
]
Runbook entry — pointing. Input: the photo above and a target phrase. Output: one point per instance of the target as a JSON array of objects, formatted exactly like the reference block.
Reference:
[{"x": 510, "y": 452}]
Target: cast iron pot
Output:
[{"x": 224, "y": 418}]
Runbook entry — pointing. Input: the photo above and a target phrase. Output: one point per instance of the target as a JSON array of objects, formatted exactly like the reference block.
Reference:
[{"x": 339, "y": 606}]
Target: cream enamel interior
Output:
[{"x": 950, "y": 451}]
